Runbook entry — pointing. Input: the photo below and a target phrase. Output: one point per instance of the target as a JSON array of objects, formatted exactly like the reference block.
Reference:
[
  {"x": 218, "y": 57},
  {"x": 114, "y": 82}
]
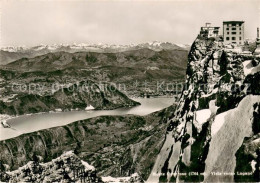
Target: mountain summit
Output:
[{"x": 214, "y": 135}]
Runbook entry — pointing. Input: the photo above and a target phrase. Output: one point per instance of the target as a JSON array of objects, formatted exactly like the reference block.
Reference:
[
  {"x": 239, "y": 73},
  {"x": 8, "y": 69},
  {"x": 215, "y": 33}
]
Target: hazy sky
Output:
[{"x": 118, "y": 22}]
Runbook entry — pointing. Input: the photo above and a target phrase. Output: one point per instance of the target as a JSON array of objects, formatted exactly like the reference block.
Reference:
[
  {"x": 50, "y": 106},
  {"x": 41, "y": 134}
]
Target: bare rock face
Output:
[
  {"x": 214, "y": 134},
  {"x": 66, "y": 168}
]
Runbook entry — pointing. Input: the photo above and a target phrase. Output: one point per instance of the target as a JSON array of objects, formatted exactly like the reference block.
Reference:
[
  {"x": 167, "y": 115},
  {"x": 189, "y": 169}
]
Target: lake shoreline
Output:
[
  {"x": 70, "y": 110},
  {"x": 34, "y": 122}
]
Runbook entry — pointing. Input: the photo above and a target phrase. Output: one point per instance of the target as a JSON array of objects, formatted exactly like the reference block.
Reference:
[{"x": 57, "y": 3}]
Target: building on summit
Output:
[
  {"x": 233, "y": 32},
  {"x": 208, "y": 31}
]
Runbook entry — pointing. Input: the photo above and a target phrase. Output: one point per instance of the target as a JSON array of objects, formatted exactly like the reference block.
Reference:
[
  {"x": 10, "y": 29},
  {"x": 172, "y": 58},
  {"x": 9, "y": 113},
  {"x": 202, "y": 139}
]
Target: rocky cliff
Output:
[{"x": 214, "y": 135}]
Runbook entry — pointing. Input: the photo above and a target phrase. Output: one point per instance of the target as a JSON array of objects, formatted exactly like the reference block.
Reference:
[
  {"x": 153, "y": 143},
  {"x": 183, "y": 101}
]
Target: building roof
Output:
[
  {"x": 233, "y": 22},
  {"x": 210, "y": 27}
]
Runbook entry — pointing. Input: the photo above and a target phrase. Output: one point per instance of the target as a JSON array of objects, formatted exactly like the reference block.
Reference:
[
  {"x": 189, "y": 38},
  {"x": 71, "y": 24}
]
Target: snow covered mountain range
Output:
[
  {"x": 96, "y": 47},
  {"x": 11, "y": 53}
]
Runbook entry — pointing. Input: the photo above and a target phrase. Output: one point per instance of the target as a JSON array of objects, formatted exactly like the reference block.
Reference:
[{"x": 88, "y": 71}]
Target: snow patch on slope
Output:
[
  {"x": 232, "y": 127},
  {"x": 218, "y": 122},
  {"x": 249, "y": 69},
  {"x": 253, "y": 163},
  {"x": 87, "y": 166},
  {"x": 202, "y": 116}
]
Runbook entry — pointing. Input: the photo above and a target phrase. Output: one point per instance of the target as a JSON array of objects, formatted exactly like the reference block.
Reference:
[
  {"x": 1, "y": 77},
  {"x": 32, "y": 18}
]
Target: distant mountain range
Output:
[
  {"x": 11, "y": 53},
  {"x": 126, "y": 67},
  {"x": 140, "y": 58}
]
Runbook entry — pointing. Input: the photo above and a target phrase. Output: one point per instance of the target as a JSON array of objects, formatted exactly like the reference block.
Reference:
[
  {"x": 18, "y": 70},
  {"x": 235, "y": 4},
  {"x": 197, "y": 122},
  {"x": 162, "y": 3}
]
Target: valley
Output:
[{"x": 110, "y": 137}]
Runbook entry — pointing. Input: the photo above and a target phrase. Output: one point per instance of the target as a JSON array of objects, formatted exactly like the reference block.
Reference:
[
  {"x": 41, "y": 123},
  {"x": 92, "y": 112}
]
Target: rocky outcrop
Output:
[
  {"x": 212, "y": 136},
  {"x": 116, "y": 146},
  {"x": 66, "y": 168}
]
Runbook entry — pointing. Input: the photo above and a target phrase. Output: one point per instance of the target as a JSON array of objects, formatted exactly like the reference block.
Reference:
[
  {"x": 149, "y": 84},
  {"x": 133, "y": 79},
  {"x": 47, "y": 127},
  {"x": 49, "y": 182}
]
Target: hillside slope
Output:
[
  {"x": 74, "y": 97},
  {"x": 138, "y": 58},
  {"x": 115, "y": 145}
]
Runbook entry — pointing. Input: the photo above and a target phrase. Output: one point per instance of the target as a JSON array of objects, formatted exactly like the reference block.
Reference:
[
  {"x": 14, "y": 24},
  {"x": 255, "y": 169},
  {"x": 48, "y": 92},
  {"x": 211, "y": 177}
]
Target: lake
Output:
[{"x": 30, "y": 123}]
